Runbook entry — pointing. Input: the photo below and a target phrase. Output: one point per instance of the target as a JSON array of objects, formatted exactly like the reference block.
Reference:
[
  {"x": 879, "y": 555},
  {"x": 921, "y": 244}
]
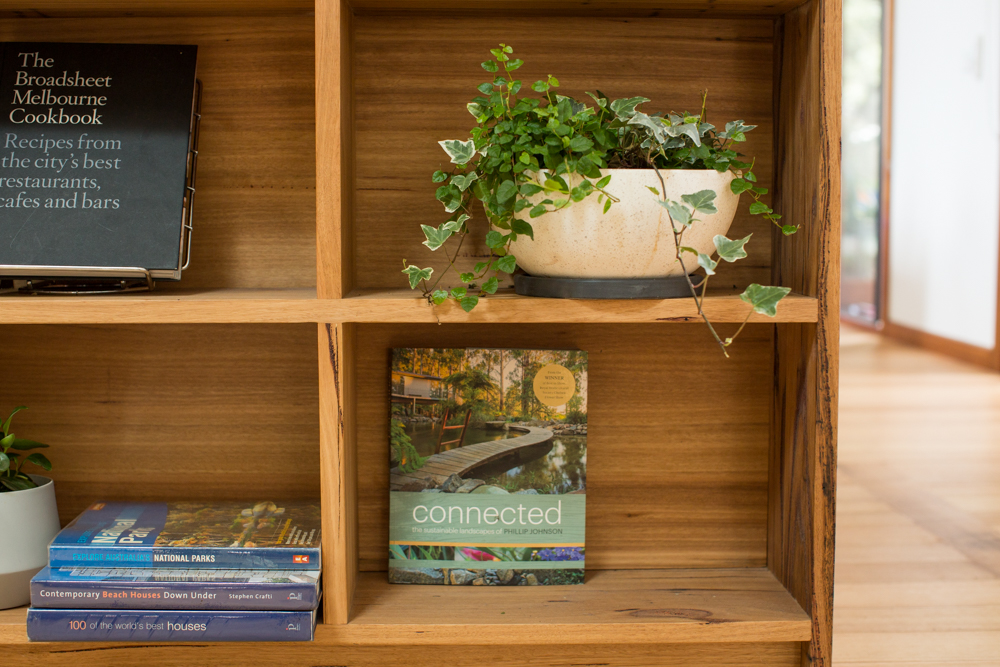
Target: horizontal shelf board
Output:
[
  {"x": 224, "y": 306},
  {"x": 87, "y": 8},
  {"x": 613, "y": 607},
  {"x": 586, "y": 7}
]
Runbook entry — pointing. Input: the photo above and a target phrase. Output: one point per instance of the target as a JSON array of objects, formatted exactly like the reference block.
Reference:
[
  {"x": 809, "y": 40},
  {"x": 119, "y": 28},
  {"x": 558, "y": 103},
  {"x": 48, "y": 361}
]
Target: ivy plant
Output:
[
  {"x": 531, "y": 153},
  {"x": 12, "y": 458}
]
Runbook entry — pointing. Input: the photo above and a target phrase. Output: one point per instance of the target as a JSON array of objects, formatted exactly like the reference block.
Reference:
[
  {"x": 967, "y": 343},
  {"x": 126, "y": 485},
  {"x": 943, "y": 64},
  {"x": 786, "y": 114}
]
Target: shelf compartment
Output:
[
  {"x": 224, "y": 306},
  {"x": 614, "y": 607},
  {"x": 169, "y": 412},
  {"x": 255, "y": 210}
]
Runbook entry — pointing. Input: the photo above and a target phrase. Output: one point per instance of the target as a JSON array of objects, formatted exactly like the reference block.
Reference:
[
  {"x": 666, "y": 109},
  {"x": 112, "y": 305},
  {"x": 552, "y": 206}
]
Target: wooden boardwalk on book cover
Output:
[{"x": 463, "y": 459}]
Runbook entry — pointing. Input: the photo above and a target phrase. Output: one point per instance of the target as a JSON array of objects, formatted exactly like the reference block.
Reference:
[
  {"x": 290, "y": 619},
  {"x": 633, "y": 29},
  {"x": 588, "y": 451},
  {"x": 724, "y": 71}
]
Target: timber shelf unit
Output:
[{"x": 265, "y": 372}]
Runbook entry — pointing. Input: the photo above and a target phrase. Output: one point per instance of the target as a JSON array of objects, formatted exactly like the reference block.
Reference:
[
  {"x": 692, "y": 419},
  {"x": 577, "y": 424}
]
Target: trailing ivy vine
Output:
[{"x": 529, "y": 155}]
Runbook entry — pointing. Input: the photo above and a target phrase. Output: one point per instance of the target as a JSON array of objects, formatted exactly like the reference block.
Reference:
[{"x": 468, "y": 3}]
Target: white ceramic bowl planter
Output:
[
  {"x": 28, "y": 522},
  {"x": 634, "y": 238}
]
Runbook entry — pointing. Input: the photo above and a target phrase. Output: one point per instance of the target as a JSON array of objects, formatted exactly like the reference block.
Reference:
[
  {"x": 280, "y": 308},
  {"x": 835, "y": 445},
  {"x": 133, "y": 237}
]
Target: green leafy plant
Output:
[
  {"x": 405, "y": 452},
  {"x": 12, "y": 457},
  {"x": 532, "y": 154}
]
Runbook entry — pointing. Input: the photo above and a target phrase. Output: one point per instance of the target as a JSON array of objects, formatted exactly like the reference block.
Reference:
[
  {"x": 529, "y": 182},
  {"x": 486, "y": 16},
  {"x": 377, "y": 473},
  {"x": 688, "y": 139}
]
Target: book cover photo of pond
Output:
[{"x": 488, "y": 466}]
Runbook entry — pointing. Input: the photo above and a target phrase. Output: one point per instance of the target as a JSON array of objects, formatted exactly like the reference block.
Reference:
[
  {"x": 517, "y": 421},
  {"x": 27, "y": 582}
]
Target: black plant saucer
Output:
[{"x": 605, "y": 288}]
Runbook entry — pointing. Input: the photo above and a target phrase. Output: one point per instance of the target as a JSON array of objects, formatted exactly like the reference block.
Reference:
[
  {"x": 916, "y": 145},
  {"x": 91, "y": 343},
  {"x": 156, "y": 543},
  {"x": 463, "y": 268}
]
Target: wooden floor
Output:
[{"x": 918, "y": 509}]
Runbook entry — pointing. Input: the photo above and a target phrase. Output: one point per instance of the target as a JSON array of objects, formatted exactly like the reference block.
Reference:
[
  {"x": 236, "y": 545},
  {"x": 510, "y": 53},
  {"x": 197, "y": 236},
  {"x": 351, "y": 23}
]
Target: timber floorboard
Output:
[{"x": 918, "y": 509}]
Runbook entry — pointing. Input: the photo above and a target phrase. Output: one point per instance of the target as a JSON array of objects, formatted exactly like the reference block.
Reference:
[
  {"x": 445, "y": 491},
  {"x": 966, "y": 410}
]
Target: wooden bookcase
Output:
[{"x": 265, "y": 371}]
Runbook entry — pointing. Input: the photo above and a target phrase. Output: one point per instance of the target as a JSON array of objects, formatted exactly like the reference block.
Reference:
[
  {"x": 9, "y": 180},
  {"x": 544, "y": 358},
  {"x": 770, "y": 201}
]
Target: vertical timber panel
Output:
[
  {"x": 803, "y": 457},
  {"x": 334, "y": 149},
  {"x": 338, "y": 470}
]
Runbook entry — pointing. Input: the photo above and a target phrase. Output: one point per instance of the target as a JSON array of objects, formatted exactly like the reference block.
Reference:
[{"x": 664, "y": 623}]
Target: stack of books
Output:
[{"x": 181, "y": 572}]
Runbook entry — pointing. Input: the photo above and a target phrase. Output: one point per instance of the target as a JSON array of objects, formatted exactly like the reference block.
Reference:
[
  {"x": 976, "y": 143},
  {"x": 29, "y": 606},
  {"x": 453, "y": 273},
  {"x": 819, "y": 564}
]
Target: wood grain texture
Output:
[
  {"x": 334, "y": 149},
  {"x": 254, "y": 220},
  {"x": 803, "y": 460},
  {"x": 338, "y": 469},
  {"x": 667, "y": 60},
  {"x": 168, "y": 412},
  {"x": 300, "y": 305},
  {"x": 673, "y": 479},
  {"x": 110, "y": 8},
  {"x": 972, "y": 354},
  {"x": 700, "y": 8}
]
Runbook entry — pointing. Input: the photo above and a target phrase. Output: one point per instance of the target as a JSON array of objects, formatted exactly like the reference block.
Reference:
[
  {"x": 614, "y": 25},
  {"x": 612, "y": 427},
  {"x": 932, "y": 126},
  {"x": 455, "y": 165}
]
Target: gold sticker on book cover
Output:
[{"x": 554, "y": 385}]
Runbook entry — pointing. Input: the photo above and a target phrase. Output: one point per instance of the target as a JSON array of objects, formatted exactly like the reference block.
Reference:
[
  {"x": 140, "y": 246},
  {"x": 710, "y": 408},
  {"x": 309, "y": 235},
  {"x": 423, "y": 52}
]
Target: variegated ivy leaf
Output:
[
  {"x": 655, "y": 125},
  {"x": 731, "y": 250},
  {"x": 417, "y": 274},
  {"x": 687, "y": 129},
  {"x": 764, "y": 299},
  {"x": 435, "y": 237},
  {"x": 460, "y": 152},
  {"x": 475, "y": 109},
  {"x": 625, "y": 108},
  {"x": 702, "y": 201},
  {"x": 678, "y": 212},
  {"x": 463, "y": 182},
  {"x": 707, "y": 263},
  {"x": 455, "y": 226}
]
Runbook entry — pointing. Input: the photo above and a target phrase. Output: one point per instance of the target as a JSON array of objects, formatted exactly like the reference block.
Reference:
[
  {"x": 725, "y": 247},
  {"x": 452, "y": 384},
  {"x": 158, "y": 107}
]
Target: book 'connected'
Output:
[
  {"x": 261, "y": 536},
  {"x": 488, "y": 465}
]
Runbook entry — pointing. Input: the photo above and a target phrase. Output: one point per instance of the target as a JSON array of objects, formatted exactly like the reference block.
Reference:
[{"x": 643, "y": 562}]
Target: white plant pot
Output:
[
  {"x": 28, "y": 522},
  {"x": 634, "y": 238}
]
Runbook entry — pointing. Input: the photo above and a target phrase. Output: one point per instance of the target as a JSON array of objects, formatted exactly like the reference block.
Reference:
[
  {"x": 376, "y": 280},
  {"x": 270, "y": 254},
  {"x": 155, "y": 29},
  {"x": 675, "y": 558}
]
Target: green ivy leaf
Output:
[
  {"x": 540, "y": 87},
  {"x": 460, "y": 152},
  {"x": 788, "y": 230},
  {"x": 580, "y": 144},
  {"x": 529, "y": 189},
  {"x": 603, "y": 183},
  {"x": 759, "y": 207},
  {"x": 764, "y": 299},
  {"x": 653, "y": 190},
  {"x": 702, "y": 201},
  {"x": 459, "y": 292},
  {"x": 39, "y": 460},
  {"x": 417, "y": 274},
  {"x": 522, "y": 228},
  {"x": 480, "y": 266},
  {"x": 466, "y": 277},
  {"x": 490, "y": 66},
  {"x": 739, "y": 186},
  {"x": 607, "y": 205},
  {"x": 537, "y": 211},
  {"x": 494, "y": 239},
  {"x": 731, "y": 250},
  {"x": 514, "y": 64},
  {"x": 751, "y": 177},
  {"x": 707, "y": 263},
  {"x": 507, "y": 264},
  {"x": 439, "y": 296},
  {"x": 491, "y": 285},
  {"x": 468, "y": 303},
  {"x": 506, "y": 191},
  {"x": 24, "y": 445},
  {"x": 435, "y": 237},
  {"x": 440, "y": 176}
]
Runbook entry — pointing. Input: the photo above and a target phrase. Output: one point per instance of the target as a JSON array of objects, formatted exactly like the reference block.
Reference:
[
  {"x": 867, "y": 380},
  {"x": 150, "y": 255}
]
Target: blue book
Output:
[
  {"x": 148, "y": 588},
  {"x": 87, "y": 625},
  {"x": 250, "y": 536}
]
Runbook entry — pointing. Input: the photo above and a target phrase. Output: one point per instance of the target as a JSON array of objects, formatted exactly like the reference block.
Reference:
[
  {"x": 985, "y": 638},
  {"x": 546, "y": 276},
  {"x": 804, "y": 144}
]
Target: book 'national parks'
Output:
[
  {"x": 262, "y": 536},
  {"x": 488, "y": 466}
]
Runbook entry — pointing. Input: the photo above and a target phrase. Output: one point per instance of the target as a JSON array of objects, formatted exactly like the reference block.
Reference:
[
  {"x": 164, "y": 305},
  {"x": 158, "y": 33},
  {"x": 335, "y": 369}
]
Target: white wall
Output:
[{"x": 944, "y": 202}]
